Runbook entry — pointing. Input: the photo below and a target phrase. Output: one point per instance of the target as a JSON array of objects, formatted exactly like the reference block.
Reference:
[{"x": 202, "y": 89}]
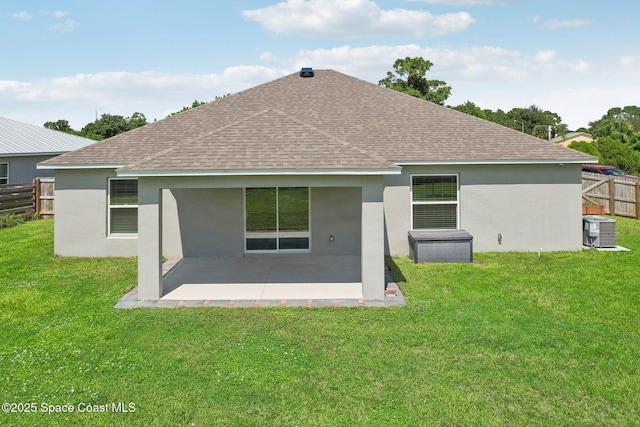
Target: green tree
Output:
[
  {"x": 59, "y": 125},
  {"x": 63, "y": 126},
  {"x": 409, "y": 77},
  {"x": 194, "y": 104},
  {"x": 501, "y": 118},
  {"x": 471, "y": 109},
  {"x": 630, "y": 113},
  {"x": 586, "y": 147},
  {"x": 617, "y": 125},
  {"x": 107, "y": 125},
  {"x": 136, "y": 120},
  {"x": 615, "y": 153},
  {"x": 536, "y": 121}
]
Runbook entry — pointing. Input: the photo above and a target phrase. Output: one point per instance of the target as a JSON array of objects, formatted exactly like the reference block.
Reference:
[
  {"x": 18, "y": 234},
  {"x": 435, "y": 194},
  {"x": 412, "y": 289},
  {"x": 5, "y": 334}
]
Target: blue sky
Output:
[{"x": 75, "y": 59}]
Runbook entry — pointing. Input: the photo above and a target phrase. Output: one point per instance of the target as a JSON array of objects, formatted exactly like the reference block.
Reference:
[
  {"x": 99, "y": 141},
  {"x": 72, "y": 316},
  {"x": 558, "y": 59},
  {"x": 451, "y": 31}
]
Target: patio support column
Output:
[
  {"x": 149, "y": 240},
  {"x": 372, "y": 251}
]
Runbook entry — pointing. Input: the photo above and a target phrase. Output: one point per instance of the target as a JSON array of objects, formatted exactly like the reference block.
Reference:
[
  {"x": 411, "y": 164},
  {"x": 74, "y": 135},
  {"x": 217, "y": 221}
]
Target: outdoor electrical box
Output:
[{"x": 598, "y": 231}]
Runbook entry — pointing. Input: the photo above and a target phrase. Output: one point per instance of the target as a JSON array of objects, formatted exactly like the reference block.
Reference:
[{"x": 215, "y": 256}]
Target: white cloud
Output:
[
  {"x": 582, "y": 104},
  {"x": 63, "y": 27},
  {"x": 629, "y": 61},
  {"x": 353, "y": 18},
  {"x": 20, "y": 15},
  {"x": 475, "y": 63},
  {"x": 156, "y": 94},
  {"x": 546, "y": 56},
  {"x": 60, "y": 14},
  {"x": 555, "y": 23},
  {"x": 579, "y": 67}
]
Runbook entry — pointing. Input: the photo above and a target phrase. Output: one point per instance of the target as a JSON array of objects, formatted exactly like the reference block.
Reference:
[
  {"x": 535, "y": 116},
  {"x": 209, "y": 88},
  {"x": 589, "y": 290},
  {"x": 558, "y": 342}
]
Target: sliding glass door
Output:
[{"x": 277, "y": 219}]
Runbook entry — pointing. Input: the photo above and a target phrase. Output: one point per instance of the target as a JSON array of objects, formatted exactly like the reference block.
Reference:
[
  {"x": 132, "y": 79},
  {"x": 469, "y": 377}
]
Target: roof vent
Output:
[{"x": 306, "y": 72}]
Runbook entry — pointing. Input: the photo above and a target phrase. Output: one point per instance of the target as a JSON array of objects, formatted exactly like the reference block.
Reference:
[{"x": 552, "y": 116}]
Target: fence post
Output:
[
  {"x": 638, "y": 200},
  {"x": 36, "y": 197},
  {"x": 612, "y": 195}
]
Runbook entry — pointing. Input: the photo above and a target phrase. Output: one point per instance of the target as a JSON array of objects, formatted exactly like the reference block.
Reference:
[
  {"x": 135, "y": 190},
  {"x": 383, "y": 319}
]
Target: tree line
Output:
[{"x": 109, "y": 125}]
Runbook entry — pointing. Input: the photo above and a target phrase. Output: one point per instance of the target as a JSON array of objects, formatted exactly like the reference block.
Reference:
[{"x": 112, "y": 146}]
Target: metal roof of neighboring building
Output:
[
  {"x": 22, "y": 139},
  {"x": 328, "y": 121}
]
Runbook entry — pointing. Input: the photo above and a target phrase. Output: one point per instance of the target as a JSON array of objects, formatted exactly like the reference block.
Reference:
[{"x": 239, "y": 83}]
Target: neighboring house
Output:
[
  {"x": 325, "y": 165},
  {"x": 23, "y": 146},
  {"x": 572, "y": 137}
]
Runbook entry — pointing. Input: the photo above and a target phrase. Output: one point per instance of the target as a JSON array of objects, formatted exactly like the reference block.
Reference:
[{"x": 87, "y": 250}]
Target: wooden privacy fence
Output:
[
  {"x": 619, "y": 196},
  {"x": 36, "y": 197}
]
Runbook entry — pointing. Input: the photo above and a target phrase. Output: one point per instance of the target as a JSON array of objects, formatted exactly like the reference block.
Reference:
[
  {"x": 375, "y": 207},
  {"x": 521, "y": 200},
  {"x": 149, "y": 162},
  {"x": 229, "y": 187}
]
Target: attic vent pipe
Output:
[{"x": 306, "y": 72}]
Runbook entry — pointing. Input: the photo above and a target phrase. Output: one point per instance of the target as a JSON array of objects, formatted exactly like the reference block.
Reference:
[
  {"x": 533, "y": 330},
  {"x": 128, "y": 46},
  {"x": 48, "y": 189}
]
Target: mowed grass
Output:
[{"x": 513, "y": 339}]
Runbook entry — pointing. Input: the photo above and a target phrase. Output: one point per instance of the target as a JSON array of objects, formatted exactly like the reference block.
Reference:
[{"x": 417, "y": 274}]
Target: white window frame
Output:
[
  {"x": 277, "y": 250},
  {"x": 5, "y": 177},
  {"x": 456, "y": 202},
  {"x": 109, "y": 207}
]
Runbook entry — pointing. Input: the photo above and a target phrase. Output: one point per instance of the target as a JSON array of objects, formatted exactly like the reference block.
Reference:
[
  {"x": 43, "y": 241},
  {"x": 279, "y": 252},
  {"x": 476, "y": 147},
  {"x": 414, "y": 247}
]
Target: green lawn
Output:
[{"x": 511, "y": 340}]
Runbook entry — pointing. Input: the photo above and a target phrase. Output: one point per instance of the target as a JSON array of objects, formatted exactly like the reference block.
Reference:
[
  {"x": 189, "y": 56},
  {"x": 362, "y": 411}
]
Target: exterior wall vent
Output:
[{"x": 306, "y": 72}]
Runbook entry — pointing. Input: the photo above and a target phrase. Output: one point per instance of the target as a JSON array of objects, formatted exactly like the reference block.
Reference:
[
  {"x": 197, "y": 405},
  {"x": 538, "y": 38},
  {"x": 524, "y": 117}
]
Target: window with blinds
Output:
[
  {"x": 123, "y": 206},
  {"x": 434, "y": 202}
]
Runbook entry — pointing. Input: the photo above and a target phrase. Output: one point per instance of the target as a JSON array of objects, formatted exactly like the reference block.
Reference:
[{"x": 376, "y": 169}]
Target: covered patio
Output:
[{"x": 205, "y": 222}]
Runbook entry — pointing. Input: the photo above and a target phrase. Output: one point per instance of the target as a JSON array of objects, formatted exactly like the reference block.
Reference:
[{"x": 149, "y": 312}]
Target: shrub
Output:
[
  {"x": 615, "y": 153},
  {"x": 11, "y": 220},
  {"x": 585, "y": 147}
]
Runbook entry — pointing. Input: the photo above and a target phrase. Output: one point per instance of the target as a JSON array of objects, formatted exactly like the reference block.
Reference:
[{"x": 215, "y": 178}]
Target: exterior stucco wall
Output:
[
  {"x": 80, "y": 225},
  {"x": 197, "y": 221},
  {"x": 210, "y": 220},
  {"x": 23, "y": 168},
  {"x": 531, "y": 206},
  {"x": 336, "y": 212},
  {"x": 203, "y": 222}
]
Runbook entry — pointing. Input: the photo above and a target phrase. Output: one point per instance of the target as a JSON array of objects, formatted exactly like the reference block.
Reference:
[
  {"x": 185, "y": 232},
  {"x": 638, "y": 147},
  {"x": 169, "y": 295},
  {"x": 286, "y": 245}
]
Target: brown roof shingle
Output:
[{"x": 329, "y": 121}]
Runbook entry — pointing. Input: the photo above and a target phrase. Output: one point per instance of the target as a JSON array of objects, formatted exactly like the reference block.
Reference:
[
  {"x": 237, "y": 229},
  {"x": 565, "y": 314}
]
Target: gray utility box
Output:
[
  {"x": 598, "y": 231},
  {"x": 441, "y": 246}
]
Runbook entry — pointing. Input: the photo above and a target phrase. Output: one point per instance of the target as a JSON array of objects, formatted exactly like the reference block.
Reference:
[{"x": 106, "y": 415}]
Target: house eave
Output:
[
  {"x": 80, "y": 166},
  {"x": 33, "y": 154},
  {"x": 492, "y": 162},
  {"x": 257, "y": 172}
]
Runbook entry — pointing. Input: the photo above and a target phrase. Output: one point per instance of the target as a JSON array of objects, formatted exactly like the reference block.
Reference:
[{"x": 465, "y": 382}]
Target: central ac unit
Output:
[{"x": 598, "y": 231}]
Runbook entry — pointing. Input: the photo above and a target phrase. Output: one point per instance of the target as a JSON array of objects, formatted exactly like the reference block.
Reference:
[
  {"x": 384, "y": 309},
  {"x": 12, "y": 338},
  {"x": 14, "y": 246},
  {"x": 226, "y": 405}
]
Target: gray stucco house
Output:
[
  {"x": 23, "y": 146},
  {"x": 327, "y": 165}
]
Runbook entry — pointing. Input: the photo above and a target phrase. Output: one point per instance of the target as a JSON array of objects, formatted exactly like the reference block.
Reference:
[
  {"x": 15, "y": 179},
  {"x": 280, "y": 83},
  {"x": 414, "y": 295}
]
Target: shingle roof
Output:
[
  {"x": 270, "y": 140},
  {"x": 17, "y": 138},
  {"x": 329, "y": 121}
]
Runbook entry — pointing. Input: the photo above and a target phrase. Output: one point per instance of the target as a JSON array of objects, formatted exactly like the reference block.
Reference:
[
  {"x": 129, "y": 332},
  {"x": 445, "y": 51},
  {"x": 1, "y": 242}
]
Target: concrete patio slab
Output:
[
  {"x": 313, "y": 291},
  {"x": 299, "y": 280},
  {"x": 216, "y": 291}
]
